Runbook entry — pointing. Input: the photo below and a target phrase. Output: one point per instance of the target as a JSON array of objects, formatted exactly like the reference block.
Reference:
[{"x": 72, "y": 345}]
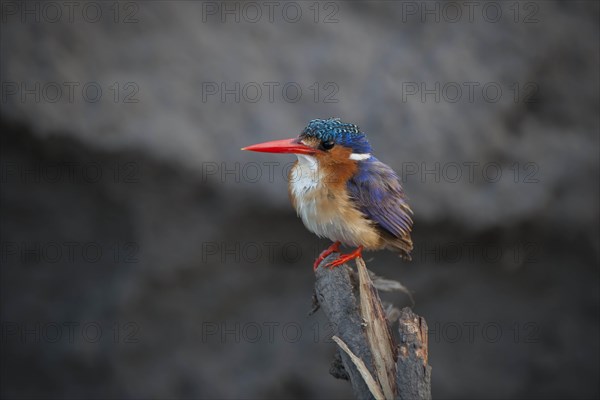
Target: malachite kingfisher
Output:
[{"x": 342, "y": 192}]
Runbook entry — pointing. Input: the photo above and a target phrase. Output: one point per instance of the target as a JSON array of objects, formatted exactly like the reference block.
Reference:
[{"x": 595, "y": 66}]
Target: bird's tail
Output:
[{"x": 402, "y": 245}]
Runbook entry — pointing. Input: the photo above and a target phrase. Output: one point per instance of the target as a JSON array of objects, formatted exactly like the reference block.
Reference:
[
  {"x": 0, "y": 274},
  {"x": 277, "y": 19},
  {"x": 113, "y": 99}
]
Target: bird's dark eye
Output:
[{"x": 327, "y": 144}]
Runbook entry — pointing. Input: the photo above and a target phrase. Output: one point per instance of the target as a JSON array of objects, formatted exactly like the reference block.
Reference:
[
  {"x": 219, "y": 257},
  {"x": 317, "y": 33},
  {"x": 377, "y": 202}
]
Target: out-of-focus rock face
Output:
[{"x": 376, "y": 61}]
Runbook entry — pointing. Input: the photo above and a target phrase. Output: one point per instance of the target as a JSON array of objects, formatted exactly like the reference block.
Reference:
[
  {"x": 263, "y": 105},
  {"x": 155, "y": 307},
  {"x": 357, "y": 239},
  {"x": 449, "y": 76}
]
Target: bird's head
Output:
[{"x": 328, "y": 140}]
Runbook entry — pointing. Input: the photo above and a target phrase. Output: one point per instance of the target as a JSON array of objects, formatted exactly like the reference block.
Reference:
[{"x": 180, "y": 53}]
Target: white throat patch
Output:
[{"x": 305, "y": 176}]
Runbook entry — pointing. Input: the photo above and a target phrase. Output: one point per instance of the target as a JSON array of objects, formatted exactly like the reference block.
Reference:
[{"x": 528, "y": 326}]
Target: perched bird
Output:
[{"x": 342, "y": 192}]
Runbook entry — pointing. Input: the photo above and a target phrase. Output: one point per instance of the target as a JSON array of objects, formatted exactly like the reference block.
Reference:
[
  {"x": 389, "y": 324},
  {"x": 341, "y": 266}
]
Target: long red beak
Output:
[{"x": 282, "y": 146}]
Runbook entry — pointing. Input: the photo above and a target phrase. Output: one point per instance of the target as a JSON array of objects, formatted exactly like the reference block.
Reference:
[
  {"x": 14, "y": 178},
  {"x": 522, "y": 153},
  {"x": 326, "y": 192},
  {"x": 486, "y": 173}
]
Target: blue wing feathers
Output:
[{"x": 377, "y": 193}]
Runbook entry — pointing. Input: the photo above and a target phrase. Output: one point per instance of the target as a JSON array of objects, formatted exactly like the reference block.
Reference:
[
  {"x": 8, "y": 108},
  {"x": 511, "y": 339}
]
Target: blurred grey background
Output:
[{"x": 145, "y": 256}]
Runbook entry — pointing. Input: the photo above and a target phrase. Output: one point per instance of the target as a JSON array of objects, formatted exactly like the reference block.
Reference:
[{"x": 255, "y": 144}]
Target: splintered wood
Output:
[{"x": 378, "y": 332}]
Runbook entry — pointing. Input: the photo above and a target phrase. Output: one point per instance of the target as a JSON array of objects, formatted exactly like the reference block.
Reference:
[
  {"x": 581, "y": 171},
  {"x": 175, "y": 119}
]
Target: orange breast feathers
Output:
[{"x": 317, "y": 189}]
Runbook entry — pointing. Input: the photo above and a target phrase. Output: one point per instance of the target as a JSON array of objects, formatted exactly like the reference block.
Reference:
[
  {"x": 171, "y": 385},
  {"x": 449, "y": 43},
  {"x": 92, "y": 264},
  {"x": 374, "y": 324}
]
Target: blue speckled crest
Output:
[{"x": 344, "y": 134}]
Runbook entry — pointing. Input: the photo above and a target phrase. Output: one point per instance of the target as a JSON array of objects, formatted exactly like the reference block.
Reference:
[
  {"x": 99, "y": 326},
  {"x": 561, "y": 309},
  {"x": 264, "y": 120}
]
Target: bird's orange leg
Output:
[
  {"x": 334, "y": 248},
  {"x": 344, "y": 258}
]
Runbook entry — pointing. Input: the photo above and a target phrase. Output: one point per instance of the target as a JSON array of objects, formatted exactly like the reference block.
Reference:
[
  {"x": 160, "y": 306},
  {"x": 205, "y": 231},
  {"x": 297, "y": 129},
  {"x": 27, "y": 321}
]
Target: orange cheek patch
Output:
[{"x": 336, "y": 167}]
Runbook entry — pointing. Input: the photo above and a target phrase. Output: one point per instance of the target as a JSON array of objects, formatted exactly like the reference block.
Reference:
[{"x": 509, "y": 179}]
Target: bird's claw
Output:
[
  {"x": 344, "y": 258},
  {"x": 334, "y": 248}
]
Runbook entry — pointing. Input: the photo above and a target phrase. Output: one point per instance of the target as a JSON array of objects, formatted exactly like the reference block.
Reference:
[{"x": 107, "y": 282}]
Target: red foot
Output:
[
  {"x": 344, "y": 258},
  {"x": 334, "y": 248}
]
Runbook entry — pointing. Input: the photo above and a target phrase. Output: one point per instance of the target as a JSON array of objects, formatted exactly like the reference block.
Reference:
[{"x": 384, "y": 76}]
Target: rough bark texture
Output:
[
  {"x": 413, "y": 372},
  {"x": 338, "y": 298}
]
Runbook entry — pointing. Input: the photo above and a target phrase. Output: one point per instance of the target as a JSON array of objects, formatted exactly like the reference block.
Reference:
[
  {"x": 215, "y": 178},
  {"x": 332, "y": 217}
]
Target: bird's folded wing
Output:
[{"x": 376, "y": 191}]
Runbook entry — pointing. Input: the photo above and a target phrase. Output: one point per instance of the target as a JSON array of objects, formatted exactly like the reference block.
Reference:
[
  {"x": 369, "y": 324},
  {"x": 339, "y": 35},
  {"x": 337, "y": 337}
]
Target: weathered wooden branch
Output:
[
  {"x": 368, "y": 354},
  {"x": 413, "y": 372}
]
